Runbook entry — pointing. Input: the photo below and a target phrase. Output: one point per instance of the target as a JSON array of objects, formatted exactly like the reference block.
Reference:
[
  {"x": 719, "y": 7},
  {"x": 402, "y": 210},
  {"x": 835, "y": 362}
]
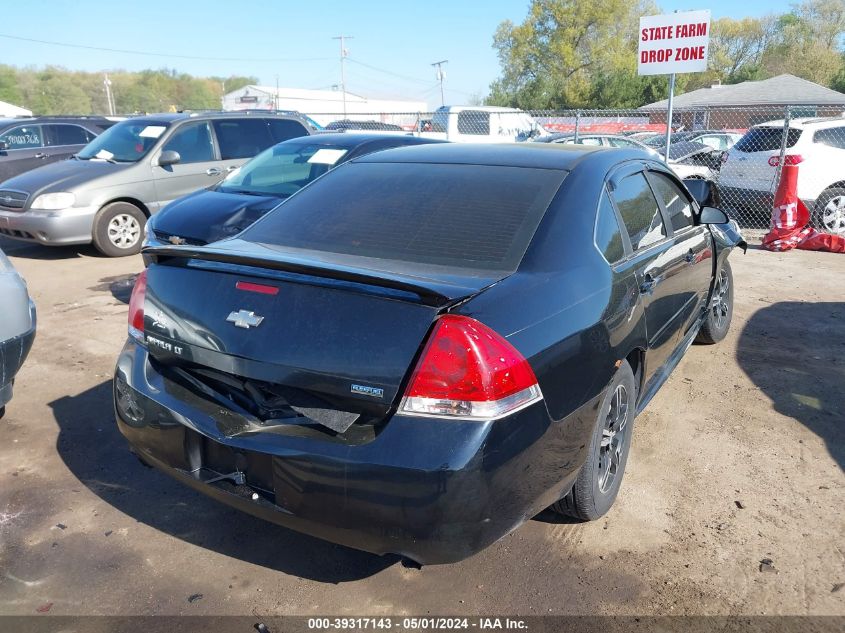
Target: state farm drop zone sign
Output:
[{"x": 674, "y": 43}]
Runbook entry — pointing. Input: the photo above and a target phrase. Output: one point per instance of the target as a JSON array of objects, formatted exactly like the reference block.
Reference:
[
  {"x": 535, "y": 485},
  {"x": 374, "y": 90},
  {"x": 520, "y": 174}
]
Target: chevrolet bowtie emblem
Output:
[{"x": 245, "y": 319}]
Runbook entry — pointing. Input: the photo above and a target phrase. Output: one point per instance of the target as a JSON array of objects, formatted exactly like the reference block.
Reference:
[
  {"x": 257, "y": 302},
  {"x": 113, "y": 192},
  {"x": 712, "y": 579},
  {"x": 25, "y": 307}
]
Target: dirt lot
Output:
[{"x": 739, "y": 458}]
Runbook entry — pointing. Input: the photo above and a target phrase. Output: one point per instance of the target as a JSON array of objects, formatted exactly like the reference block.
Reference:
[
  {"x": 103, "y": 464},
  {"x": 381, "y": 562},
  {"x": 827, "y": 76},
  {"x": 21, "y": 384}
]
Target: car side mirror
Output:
[
  {"x": 168, "y": 157},
  {"x": 712, "y": 215},
  {"x": 3, "y": 146}
]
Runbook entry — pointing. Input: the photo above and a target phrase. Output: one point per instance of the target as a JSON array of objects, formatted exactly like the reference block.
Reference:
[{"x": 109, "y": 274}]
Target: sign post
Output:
[{"x": 670, "y": 44}]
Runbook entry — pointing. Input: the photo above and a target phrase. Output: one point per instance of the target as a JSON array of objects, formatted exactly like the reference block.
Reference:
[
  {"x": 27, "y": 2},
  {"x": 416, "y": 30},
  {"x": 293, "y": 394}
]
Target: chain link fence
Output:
[{"x": 742, "y": 149}]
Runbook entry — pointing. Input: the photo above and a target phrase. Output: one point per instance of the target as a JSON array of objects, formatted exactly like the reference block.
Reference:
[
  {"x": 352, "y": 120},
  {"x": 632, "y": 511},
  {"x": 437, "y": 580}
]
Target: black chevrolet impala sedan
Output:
[{"x": 427, "y": 346}]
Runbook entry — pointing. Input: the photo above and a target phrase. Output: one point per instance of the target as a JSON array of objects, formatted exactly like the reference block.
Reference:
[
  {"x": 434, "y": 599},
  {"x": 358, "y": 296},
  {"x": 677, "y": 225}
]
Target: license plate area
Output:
[{"x": 212, "y": 460}]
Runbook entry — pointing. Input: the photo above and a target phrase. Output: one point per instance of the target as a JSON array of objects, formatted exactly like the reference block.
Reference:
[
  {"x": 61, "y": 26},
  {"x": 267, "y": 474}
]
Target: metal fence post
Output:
[
  {"x": 783, "y": 144},
  {"x": 577, "y": 124}
]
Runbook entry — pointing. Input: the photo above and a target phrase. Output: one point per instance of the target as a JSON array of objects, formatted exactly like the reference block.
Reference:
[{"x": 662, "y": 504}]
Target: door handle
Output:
[
  {"x": 231, "y": 168},
  {"x": 42, "y": 155},
  {"x": 648, "y": 284},
  {"x": 689, "y": 257},
  {"x": 213, "y": 171}
]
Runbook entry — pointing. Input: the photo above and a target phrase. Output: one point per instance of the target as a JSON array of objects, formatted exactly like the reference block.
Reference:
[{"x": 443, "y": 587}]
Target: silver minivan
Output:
[{"x": 105, "y": 193}]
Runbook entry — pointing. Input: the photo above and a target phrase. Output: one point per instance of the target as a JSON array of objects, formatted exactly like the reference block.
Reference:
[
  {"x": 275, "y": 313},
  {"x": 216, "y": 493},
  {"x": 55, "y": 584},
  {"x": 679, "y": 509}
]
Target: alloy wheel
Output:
[
  {"x": 833, "y": 215},
  {"x": 613, "y": 439},
  {"x": 720, "y": 305},
  {"x": 124, "y": 230}
]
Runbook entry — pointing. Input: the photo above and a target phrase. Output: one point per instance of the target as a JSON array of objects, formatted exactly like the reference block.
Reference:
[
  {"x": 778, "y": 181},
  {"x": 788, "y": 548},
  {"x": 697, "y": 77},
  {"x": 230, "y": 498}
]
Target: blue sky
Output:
[{"x": 390, "y": 55}]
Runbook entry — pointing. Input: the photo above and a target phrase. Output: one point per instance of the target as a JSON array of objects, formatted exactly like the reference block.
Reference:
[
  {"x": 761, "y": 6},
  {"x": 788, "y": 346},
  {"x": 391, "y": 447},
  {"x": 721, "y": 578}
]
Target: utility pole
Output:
[
  {"x": 440, "y": 76},
  {"x": 222, "y": 94},
  {"x": 107, "y": 84},
  {"x": 343, "y": 54},
  {"x": 276, "y": 95}
]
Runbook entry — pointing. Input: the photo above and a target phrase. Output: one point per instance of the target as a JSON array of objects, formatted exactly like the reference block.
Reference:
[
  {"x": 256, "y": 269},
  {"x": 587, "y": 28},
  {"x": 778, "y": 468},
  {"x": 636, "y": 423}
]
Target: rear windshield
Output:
[
  {"x": 462, "y": 216},
  {"x": 766, "y": 139}
]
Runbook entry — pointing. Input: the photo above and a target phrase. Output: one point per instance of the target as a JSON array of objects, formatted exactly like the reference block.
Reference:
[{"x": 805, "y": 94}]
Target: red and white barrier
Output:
[{"x": 790, "y": 225}]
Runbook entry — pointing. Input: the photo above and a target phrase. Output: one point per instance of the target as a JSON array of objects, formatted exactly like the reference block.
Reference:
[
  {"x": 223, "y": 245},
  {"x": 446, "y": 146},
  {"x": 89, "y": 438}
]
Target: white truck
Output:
[{"x": 480, "y": 124}]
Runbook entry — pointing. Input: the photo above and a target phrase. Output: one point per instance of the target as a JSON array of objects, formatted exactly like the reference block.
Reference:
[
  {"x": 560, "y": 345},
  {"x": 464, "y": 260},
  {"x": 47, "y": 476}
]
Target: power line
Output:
[
  {"x": 388, "y": 72},
  {"x": 169, "y": 55},
  {"x": 416, "y": 79}
]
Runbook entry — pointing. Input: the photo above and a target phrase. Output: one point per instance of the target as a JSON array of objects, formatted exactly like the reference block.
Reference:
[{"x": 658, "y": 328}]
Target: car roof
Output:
[
  {"x": 171, "y": 117},
  {"x": 352, "y": 140},
  {"x": 531, "y": 155},
  {"x": 805, "y": 122},
  {"x": 55, "y": 119}
]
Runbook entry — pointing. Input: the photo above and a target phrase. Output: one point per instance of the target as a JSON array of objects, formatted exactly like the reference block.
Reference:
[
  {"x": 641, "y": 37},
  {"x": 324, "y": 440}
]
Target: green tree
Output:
[
  {"x": 571, "y": 53},
  {"x": 9, "y": 91},
  {"x": 737, "y": 48},
  {"x": 808, "y": 42}
]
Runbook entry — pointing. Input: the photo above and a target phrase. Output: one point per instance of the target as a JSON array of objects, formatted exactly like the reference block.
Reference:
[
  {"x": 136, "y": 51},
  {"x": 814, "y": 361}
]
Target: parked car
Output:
[
  {"x": 596, "y": 139},
  {"x": 749, "y": 173},
  {"x": 32, "y": 142},
  {"x": 347, "y": 124},
  {"x": 246, "y": 194},
  {"x": 482, "y": 124},
  {"x": 107, "y": 192},
  {"x": 17, "y": 327},
  {"x": 690, "y": 159},
  {"x": 716, "y": 139},
  {"x": 426, "y": 347}
]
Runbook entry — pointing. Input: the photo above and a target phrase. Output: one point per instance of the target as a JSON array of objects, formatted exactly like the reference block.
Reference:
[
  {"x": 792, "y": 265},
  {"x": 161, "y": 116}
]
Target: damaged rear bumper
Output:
[
  {"x": 433, "y": 490},
  {"x": 13, "y": 353}
]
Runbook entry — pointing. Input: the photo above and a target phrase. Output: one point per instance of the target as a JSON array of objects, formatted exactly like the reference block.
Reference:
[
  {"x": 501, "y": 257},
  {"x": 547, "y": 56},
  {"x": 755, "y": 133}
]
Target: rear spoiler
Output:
[{"x": 430, "y": 292}]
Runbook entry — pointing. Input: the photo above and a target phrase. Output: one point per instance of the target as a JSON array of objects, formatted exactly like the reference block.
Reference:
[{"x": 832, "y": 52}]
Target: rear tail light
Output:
[
  {"x": 789, "y": 159},
  {"x": 136, "y": 308},
  {"x": 469, "y": 371}
]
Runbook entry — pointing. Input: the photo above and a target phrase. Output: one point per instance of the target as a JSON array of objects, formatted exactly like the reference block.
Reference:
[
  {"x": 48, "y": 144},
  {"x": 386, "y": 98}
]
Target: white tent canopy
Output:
[{"x": 9, "y": 110}]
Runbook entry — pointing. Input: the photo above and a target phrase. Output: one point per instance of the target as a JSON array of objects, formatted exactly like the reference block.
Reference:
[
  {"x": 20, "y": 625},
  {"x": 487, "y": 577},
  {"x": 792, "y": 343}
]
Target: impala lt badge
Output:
[{"x": 245, "y": 319}]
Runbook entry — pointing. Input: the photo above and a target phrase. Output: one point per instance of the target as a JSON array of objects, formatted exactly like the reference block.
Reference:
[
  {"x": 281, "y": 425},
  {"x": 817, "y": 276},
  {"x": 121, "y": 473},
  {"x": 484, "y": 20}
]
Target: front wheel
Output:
[
  {"x": 119, "y": 229},
  {"x": 598, "y": 483},
  {"x": 721, "y": 308}
]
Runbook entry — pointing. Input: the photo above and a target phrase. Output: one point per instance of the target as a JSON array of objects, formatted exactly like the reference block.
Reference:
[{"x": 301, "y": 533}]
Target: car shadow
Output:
[
  {"x": 93, "y": 449},
  {"x": 28, "y": 250},
  {"x": 793, "y": 351}
]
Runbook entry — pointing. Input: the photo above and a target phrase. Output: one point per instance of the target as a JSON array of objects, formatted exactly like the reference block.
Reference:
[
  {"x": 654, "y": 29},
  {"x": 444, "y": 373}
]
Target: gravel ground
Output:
[{"x": 739, "y": 458}]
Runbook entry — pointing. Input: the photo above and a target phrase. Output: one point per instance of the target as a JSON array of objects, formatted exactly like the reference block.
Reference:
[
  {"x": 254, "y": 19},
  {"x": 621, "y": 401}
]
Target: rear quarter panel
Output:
[{"x": 566, "y": 309}]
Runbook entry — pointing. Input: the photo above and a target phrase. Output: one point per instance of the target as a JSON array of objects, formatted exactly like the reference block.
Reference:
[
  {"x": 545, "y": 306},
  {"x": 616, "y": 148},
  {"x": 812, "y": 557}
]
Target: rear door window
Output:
[
  {"x": 640, "y": 211},
  {"x": 766, "y": 139},
  {"x": 242, "y": 138},
  {"x": 23, "y": 137},
  {"x": 286, "y": 129},
  {"x": 66, "y": 134},
  {"x": 608, "y": 235},
  {"x": 473, "y": 217},
  {"x": 474, "y": 122},
  {"x": 832, "y": 137}
]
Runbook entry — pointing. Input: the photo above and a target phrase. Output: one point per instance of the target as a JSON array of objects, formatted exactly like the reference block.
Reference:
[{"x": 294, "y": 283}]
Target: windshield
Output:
[
  {"x": 126, "y": 142},
  {"x": 283, "y": 169}
]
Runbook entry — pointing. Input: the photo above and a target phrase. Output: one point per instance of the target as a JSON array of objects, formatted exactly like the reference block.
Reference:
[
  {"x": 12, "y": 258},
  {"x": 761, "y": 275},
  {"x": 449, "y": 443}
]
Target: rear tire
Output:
[
  {"x": 2, "y": 412},
  {"x": 119, "y": 229},
  {"x": 720, "y": 311},
  {"x": 598, "y": 483},
  {"x": 829, "y": 211}
]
